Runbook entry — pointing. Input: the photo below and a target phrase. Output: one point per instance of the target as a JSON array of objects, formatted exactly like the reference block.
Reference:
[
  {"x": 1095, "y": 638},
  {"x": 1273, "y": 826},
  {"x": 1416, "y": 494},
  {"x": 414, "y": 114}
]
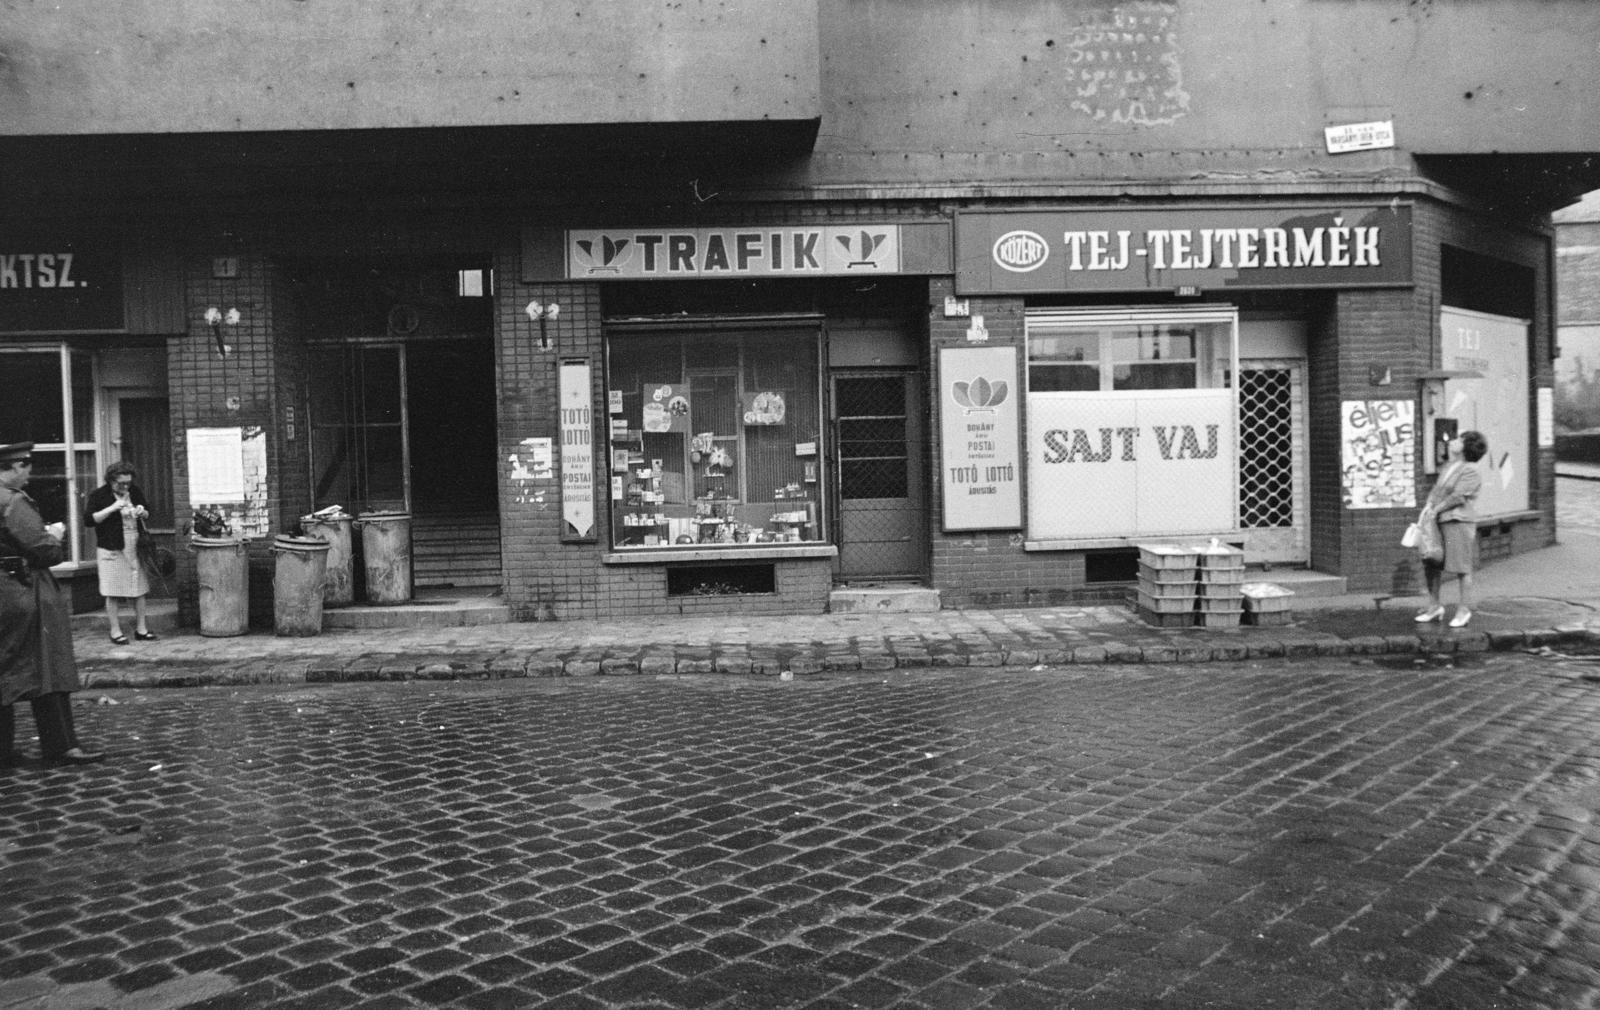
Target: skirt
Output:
[
  {"x": 120, "y": 573},
  {"x": 1460, "y": 548}
]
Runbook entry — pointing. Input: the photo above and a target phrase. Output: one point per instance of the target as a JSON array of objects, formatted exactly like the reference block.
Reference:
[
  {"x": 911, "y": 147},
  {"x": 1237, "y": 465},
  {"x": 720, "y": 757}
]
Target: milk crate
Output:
[
  {"x": 1269, "y": 619},
  {"x": 1266, "y": 605},
  {"x": 1220, "y": 577},
  {"x": 1174, "y": 604},
  {"x": 1184, "y": 620},
  {"x": 1149, "y": 575},
  {"x": 1221, "y": 556},
  {"x": 1168, "y": 556},
  {"x": 1188, "y": 588},
  {"x": 1265, "y": 598},
  {"x": 1219, "y": 618}
]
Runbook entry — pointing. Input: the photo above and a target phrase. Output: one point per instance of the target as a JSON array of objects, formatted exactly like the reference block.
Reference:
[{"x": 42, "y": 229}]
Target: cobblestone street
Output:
[{"x": 1376, "y": 832}]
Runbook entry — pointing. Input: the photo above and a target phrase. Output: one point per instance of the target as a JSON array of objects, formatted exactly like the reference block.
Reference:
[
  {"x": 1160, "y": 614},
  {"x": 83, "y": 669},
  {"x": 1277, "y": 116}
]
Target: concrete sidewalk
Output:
[{"x": 1546, "y": 598}]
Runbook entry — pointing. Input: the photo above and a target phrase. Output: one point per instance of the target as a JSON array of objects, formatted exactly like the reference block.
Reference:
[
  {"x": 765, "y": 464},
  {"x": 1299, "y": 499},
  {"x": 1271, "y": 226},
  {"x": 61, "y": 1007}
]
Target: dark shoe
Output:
[
  {"x": 145, "y": 636},
  {"x": 119, "y": 639},
  {"x": 76, "y": 756}
]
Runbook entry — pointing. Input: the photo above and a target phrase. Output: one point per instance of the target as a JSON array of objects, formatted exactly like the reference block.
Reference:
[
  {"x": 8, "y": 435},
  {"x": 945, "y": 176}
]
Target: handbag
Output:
[
  {"x": 1430, "y": 541},
  {"x": 1410, "y": 537}
]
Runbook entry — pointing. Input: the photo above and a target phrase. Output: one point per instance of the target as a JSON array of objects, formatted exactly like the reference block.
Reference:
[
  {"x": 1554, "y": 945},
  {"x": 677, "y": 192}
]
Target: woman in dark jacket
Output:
[{"x": 117, "y": 512}]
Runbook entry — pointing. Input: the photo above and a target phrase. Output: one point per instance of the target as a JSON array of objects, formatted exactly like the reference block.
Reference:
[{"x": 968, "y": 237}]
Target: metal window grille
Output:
[{"x": 1266, "y": 460}]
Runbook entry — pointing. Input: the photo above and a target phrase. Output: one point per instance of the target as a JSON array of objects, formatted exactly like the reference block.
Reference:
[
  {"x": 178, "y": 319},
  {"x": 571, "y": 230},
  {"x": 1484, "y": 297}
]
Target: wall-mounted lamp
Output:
[
  {"x": 543, "y": 315},
  {"x": 216, "y": 319}
]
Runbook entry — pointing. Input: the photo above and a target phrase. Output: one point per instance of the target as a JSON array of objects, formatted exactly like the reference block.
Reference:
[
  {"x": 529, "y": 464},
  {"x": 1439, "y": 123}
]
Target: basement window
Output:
[{"x": 721, "y": 580}]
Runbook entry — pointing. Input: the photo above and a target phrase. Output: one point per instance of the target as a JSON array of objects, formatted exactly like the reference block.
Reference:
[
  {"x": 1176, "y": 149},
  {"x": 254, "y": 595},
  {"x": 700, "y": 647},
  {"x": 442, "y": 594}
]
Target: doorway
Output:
[
  {"x": 410, "y": 426},
  {"x": 141, "y": 436},
  {"x": 878, "y": 443}
]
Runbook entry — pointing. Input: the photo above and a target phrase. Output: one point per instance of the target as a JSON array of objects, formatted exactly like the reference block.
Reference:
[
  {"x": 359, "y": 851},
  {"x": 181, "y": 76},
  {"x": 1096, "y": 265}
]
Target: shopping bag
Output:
[{"x": 1411, "y": 536}]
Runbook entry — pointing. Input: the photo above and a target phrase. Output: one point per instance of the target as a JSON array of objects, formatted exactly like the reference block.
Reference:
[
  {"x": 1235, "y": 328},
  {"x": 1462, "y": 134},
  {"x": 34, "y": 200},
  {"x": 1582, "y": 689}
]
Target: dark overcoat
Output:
[{"x": 35, "y": 619}]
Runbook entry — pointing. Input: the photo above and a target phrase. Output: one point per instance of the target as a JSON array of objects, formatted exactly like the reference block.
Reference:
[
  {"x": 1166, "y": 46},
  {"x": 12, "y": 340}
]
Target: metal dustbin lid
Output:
[
  {"x": 215, "y": 541},
  {"x": 288, "y": 542},
  {"x": 382, "y": 517}
]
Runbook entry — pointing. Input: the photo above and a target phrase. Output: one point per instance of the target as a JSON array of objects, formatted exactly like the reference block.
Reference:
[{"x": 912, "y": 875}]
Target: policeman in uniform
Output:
[{"x": 36, "y": 660}]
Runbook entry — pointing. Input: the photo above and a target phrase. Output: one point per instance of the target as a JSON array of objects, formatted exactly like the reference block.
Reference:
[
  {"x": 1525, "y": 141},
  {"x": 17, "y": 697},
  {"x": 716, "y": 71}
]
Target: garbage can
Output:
[
  {"x": 297, "y": 585},
  {"x": 340, "y": 588},
  {"x": 386, "y": 555},
  {"x": 224, "y": 578}
]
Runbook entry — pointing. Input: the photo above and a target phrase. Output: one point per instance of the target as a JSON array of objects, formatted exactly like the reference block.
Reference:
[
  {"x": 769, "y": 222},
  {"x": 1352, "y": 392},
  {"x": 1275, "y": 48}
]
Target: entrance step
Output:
[
  {"x": 884, "y": 599},
  {"x": 455, "y": 549},
  {"x": 1302, "y": 581},
  {"x": 428, "y": 609}
]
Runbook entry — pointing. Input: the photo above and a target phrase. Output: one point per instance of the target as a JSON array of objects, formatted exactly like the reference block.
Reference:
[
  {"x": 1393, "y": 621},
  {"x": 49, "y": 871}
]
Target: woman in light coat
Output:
[{"x": 1450, "y": 504}]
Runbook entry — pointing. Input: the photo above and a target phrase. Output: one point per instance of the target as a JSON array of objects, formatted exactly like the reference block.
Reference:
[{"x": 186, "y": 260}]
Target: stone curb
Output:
[{"x": 658, "y": 662}]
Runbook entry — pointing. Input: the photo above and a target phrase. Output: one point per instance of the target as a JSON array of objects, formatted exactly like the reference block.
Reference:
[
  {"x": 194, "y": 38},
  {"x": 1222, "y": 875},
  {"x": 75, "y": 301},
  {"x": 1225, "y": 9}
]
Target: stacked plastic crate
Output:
[
  {"x": 1220, "y": 602},
  {"x": 1167, "y": 585},
  {"x": 1266, "y": 605}
]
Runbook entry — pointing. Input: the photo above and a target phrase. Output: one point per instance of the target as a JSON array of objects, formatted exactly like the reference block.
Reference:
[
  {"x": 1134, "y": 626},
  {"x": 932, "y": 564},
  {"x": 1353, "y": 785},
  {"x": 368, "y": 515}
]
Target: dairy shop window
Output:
[
  {"x": 713, "y": 438},
  {"x": 1100, "y": 353}
]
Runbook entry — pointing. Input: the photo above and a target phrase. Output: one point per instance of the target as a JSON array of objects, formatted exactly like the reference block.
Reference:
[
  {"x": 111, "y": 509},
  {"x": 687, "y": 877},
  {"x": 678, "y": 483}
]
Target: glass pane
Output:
[
  {"x": 1063, "y": 378},
  {"x": 83, "y": 412},
  {"x": 329, "y": 374},
  {"x": 332, "y": 466},
  {"x": 872, "y": 478},
  {"x": 89, "y": 478},
  {"x": 47, "y": 485},
  {"x": 385, "y": 467},
  {"x": 1152, "y": 344},
  {"x": 875, "y": 436},
  {"x": 30, "y": 410},
  {"x": 1174, "y": 376},
  {"x": 870, "y": 397},
  {"x": 1078, "y": 345},
  {"x": 380, "y": 384}
]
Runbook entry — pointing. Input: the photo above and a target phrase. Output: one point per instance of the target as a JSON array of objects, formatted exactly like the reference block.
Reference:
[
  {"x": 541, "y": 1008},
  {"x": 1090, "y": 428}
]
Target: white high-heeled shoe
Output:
[
  {"x": 1431, "y": 614},
  {"x": 1463, "y": 615}
]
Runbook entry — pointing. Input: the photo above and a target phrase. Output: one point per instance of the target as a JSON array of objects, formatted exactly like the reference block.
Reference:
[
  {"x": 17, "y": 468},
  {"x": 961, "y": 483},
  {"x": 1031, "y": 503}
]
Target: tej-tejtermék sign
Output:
[{"x": 1139, "y": 249}]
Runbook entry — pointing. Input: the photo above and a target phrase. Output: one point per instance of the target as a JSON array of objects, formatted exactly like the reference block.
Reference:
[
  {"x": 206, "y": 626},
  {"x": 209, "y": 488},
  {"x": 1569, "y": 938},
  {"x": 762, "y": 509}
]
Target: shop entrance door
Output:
[
  {"x": 878, "y": 446},
  {"x": 141, "y": 436},
  {"x": 411, "y": 427},
  {"x": 1273, "y": 514}
]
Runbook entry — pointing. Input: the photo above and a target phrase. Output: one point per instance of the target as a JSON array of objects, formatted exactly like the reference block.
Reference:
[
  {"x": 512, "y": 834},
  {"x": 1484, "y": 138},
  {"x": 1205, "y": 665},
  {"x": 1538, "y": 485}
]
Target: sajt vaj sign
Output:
[
  {"x": 978, "y": 425},
  {"x": 1131, "y": 464},
  {"x": 1045, "y": 251},
  {"x": 1379, "y": 439}
]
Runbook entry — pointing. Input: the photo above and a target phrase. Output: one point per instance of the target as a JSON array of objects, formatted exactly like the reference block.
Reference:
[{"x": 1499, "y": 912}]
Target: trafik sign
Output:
[{"x": 1023, "y": 252}]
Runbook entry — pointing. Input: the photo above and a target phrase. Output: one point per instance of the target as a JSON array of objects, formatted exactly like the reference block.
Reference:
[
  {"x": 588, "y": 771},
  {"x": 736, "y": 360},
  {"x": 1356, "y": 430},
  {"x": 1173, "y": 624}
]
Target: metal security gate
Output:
[
  {"x": 878, "y": 440},
  {"x": 1272, "y": 469}
]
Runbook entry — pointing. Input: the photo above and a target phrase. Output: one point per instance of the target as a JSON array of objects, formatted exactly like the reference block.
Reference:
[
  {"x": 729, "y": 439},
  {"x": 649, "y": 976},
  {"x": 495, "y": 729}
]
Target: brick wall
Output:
[{"x": 239, "y": 389}]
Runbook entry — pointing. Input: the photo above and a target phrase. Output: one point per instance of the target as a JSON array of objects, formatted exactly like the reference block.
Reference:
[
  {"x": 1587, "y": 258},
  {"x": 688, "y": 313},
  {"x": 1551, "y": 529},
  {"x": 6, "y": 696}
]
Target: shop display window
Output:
[
  {"x": 1105, "y": 356},
  {"x": 62, "y": 427},
  {"x": 714, "y": 438}
]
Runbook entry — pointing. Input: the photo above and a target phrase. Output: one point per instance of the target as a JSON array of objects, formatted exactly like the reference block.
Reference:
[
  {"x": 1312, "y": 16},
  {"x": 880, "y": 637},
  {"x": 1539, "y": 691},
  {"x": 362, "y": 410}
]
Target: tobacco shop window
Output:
[
  {"x": 49, "y": 401},
  {"x": 713, "y": 438}
]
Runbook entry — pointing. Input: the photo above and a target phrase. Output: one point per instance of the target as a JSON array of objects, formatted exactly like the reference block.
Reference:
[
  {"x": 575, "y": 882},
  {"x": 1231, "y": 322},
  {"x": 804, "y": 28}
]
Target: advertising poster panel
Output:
[
  {"x": 1131, "y": 464},
  {"x": 978, "y": 416},
  {"x": 1495, "y": 347},
  {"x": 1379, "y": 440}
]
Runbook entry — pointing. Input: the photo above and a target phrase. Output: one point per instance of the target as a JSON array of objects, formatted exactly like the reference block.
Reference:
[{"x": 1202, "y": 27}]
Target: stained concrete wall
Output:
[{"x": 176, "y": 66}]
